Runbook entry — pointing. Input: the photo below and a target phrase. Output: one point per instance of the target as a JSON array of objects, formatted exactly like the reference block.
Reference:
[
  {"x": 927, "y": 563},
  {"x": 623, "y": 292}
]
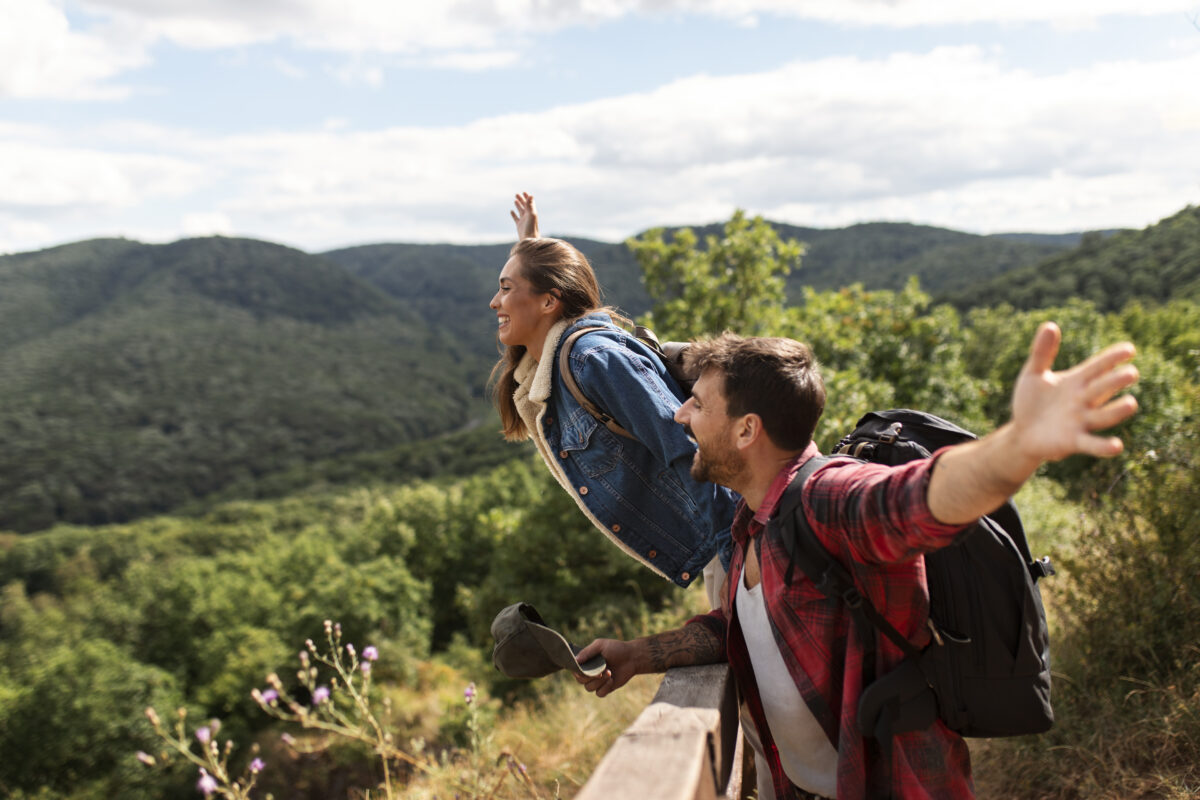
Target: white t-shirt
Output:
[{"x": 807, "y": 756}]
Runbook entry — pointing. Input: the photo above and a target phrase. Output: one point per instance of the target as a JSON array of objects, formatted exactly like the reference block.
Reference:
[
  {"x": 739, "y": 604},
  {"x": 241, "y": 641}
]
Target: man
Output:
[{"x": 797, "y": 662}]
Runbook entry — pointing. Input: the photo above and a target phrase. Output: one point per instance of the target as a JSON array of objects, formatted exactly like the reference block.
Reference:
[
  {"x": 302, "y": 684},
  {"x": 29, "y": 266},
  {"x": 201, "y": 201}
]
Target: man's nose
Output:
[{"x": 683, "y": 412}]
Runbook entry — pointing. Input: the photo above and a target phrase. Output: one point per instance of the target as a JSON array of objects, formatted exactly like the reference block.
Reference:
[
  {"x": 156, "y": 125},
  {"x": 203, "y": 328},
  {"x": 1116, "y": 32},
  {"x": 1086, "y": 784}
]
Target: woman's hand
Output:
[{"x": 525, "y": 216}]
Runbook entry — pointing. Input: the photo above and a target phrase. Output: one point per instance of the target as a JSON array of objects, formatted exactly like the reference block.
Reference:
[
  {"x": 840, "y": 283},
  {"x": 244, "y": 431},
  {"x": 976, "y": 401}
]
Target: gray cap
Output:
[{"x": 527, "y": 648}]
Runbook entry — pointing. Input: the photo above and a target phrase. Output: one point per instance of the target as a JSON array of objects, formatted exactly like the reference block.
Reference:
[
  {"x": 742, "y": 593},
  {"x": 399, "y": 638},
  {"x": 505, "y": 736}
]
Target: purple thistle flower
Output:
[
  {"x": 270, "y": 696},
  {"x": 365, "y": 667},
  {"x": 350, "y": 650},
  {"x": 203, "y": 734},
  {"x": 256, "y": 766},
  {"x": 370, "y": 653},
  {"x": 207, "y": 783},
  {"x": 320, "y": 695},
  {"x": 469, "y": 693},
  {"x": 146, "y": 758}
]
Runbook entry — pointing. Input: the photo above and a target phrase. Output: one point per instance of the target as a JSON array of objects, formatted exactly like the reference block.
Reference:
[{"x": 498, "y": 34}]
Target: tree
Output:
[{"x": 735, "y": 282}]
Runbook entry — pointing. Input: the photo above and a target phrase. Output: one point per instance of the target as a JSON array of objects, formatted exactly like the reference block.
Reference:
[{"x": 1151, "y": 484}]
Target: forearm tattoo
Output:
[{"x": 691, "y": 644}]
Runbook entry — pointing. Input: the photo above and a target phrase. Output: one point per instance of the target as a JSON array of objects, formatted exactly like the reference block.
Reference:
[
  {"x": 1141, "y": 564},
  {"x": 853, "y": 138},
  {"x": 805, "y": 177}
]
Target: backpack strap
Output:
[
  {"x": 834, "y": 581},
  {"x": 564, "y": 368},
  {"x": 827, "y": 574}
]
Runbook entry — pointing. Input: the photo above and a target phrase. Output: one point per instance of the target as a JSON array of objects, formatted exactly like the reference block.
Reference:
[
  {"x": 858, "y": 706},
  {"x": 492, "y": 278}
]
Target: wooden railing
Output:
[{"x": 685, "y": 745}]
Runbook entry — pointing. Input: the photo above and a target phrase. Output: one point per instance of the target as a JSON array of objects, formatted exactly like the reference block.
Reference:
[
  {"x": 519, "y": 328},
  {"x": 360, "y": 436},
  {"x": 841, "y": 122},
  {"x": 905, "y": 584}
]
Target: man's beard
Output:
[{"x": 717, "y": 465}]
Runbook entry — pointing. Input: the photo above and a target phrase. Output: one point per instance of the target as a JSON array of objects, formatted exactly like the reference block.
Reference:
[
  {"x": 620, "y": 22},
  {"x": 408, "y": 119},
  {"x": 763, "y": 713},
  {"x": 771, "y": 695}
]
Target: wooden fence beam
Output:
[{"x": 683, "y": 746}]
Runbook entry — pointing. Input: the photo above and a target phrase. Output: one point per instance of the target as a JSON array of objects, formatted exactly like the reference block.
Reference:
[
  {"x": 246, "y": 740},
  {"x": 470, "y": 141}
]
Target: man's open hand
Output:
[{"x": 1056, "y": 414}]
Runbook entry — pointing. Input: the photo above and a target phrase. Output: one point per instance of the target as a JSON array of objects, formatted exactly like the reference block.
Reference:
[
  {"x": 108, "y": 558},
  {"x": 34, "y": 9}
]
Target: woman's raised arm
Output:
[{"x": 525, "y": 216}]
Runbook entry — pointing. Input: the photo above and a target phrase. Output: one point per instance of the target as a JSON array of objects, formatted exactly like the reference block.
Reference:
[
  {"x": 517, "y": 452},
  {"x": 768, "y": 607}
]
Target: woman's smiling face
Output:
[{"x": 523, "y": 314}]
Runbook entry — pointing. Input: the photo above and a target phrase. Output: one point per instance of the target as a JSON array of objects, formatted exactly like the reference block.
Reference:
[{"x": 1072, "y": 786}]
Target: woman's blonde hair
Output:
[{"x": 556, "y": 267}]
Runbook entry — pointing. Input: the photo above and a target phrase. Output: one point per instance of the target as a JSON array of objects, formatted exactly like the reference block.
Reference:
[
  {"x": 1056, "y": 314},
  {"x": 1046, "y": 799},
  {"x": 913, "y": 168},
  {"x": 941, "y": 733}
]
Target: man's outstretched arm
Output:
[
  {"x": 684, "y": 647},
  {"x": 1055, "y": 415}
]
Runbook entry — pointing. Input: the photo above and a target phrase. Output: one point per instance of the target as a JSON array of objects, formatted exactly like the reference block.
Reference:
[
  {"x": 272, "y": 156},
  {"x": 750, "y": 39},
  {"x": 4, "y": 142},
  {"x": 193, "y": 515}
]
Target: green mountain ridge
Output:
[
  {"x": 171, "y": 371},
  {"x": 1158, "y": 263},
  {"x": 137, "y": 379}
]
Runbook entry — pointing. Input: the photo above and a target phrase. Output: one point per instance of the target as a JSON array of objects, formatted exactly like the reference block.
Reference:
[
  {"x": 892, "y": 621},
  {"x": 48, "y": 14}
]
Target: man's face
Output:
[{"x": 704, "y": 417}]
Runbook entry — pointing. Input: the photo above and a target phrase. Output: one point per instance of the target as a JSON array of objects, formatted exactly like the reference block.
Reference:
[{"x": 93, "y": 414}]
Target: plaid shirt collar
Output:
[{"x": 747, "y": 523}]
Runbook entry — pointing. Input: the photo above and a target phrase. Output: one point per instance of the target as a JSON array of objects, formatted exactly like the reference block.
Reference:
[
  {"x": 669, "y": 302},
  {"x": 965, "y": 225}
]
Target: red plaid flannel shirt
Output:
[{"x": 875, "y": 520}]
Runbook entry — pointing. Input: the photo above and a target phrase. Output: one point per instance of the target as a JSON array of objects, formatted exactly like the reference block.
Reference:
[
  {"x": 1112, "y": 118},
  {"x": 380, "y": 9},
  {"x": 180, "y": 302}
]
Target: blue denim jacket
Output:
[{"x": 641, "y": 492}]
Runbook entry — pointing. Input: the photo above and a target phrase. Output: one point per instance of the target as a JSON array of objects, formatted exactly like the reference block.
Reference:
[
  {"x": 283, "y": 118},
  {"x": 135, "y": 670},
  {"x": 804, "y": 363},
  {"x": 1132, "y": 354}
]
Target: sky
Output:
[{"x": 329, "y": 123}]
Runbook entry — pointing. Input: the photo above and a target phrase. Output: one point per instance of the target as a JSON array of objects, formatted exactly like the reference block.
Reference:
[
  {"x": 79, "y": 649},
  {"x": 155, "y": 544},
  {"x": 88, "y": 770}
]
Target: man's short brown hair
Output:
[{"x": 777, "y": 379}]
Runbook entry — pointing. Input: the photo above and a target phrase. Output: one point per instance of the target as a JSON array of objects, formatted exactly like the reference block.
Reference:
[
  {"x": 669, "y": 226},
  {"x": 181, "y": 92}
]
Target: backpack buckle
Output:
[
  {"x": 891, "y": 434},
  {"x": 1041, "y": 568},
  {"x": 937, "y": 635}
]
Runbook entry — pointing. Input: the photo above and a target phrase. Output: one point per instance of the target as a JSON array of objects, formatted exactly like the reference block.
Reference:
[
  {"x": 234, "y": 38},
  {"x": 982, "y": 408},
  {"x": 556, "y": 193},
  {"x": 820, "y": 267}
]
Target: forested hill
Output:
[
  {"x": 1156, "y": 264},
  {"x": 452, "y": 284},
  {"x": 137, "y": 377},
  {"x": 444, "y": 282},
  {"x": 884, "y": 255}
]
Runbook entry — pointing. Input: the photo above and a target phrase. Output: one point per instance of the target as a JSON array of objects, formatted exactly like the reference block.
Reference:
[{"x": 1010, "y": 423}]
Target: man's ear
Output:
[{"x": 748, "y": 430}]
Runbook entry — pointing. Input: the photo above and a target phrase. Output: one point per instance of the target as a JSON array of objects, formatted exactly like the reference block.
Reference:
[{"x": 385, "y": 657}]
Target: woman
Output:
[{"x": 638, "y": 491}]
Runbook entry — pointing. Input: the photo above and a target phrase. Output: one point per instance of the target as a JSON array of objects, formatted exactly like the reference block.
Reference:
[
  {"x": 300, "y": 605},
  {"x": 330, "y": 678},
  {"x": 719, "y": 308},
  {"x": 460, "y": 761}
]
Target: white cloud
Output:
[
  {"x": 46, "y": 176},
  {"x": 16, "y": 233},
  {"x": 206, "y": 223},
  {"x": 288, "y": 69},
  {"x": 951, "y": 137},
  {"x": 475, "y": 62},
  {"x": 912, "y": 13},
  {"x": 40, "y": 56},
  {"x": 358, "y": 71},
  {"x": 388, "y": 26}
]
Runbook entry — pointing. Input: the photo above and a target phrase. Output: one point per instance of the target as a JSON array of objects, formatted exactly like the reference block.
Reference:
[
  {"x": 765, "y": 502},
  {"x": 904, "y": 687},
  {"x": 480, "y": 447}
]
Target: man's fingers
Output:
[
  {"x": 1106, "y": 360},
  {"x": 593, "y": 649},
  {"x": 1111, "y": 414},
  {"x": 1044, "y": 348},
  {"x": 1099, "y": 446},
  {"x": 1101, "y": 390},
  {"x": 600, "y": 684}
]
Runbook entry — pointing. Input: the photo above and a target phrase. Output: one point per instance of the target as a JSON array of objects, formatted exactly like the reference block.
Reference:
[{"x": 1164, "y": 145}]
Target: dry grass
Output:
[
  {"x": 562, "y": 741},
  {"x": 558, "y": 738}
]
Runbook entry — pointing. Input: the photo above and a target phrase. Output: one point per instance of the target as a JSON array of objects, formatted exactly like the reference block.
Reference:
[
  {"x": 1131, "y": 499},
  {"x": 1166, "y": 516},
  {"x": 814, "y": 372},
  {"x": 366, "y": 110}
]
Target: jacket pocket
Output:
[{"x": 594, "y": 449}]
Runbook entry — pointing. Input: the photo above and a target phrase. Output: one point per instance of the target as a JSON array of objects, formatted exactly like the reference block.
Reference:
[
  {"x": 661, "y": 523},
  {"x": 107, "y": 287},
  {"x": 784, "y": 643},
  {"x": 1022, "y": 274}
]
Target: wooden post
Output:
[{"x": 685, "y": 745}]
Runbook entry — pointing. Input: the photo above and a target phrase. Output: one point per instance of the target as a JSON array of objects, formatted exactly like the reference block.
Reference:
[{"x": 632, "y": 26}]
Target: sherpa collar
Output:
[{"x": 535, "y": 379}]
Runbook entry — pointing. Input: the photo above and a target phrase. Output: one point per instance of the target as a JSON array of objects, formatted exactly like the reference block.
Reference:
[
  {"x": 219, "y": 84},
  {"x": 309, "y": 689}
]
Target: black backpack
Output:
[
  {"x": 986, "y": 671},
  {"x": 671, "y": 355}
]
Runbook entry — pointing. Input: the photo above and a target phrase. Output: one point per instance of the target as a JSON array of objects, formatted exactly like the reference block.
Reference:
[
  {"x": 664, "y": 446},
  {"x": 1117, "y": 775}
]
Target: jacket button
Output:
[
  {"x": 583, "y": 490},
  {"x": 549, "y": 420},
  {"x": 686, "y": 576},
  {"x": 616, "y": 528},
  {"x": 562, "y": 453},
  {"x": 652, "y": 554}
]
